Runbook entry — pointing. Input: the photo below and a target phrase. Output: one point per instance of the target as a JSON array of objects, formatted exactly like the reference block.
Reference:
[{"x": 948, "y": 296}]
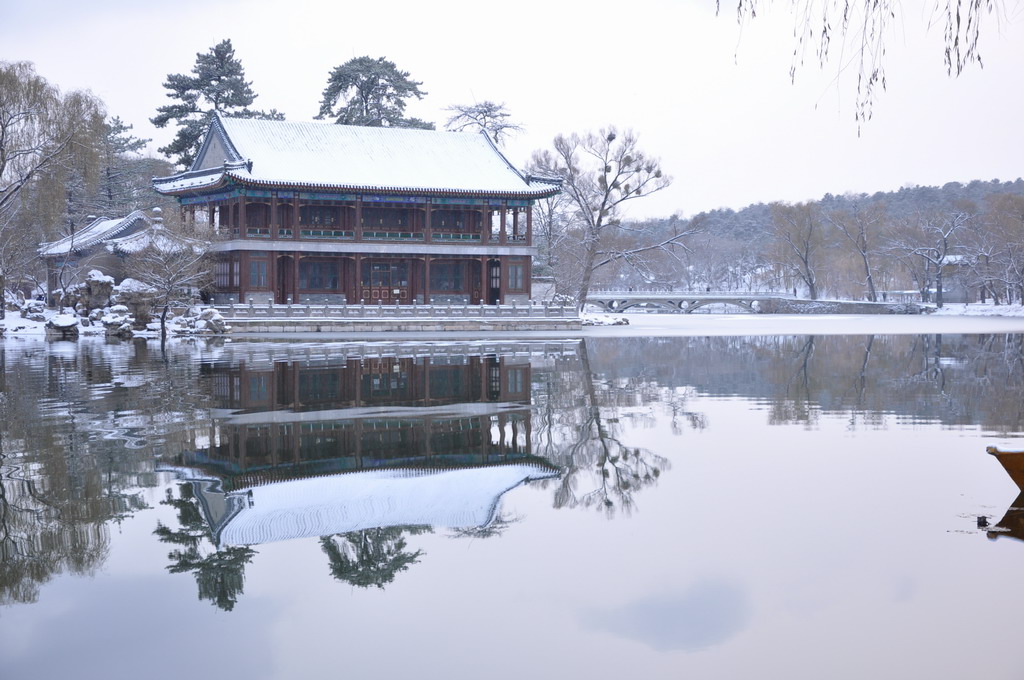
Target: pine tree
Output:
[
  {"x": 120, "y": 189},
  {"x": 217, "y": 84},
  {"x": 370, "y": 92}
]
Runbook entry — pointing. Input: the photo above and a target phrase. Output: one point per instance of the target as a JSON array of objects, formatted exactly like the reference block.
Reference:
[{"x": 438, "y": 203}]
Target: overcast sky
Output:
[{"x": 712, "y": 99}]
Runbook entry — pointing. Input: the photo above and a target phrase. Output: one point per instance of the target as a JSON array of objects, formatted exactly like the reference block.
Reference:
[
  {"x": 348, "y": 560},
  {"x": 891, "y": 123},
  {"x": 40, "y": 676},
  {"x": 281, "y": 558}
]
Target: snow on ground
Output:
[
  {"x": 14, "y": 326},
  {"x": 953, "y": 318},
  {"x": 957, "y": 319},
  {"x": 980, "y": 310}
]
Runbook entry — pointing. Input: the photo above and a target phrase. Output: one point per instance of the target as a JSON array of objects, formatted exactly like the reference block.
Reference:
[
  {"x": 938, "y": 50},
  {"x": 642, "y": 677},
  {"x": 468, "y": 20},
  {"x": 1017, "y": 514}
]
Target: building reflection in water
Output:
[
  {"x": 306, "y": 447},
  {"x": 1012, "y": 523}
]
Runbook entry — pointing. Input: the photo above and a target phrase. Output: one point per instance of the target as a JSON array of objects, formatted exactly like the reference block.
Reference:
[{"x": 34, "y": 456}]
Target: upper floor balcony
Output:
[{"x": 372, "y": 224}]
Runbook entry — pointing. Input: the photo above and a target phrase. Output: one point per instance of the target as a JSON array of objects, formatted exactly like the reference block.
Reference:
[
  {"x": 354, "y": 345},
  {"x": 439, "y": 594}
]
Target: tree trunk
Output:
[
  {"x": 872, "y": 293},
  {"x": 163, "y": 324},
  {"x": 588, "y": 271}
]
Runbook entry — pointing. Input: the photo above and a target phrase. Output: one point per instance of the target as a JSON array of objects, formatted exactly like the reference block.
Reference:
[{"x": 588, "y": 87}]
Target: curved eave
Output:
[
  {"x": 230, "y": 178},
  {"x": 217, "y": 183}
]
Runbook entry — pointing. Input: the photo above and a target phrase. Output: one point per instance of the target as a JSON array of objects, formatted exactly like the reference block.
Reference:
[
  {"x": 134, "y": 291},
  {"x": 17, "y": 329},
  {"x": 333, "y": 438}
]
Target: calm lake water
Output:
[{"x": 790, "y": 506}]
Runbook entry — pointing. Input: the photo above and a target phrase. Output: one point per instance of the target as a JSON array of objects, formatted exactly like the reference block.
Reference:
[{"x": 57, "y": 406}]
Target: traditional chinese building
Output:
[
  {"x": 98, "y": 245},
  {"x": 312, "y": 212}
]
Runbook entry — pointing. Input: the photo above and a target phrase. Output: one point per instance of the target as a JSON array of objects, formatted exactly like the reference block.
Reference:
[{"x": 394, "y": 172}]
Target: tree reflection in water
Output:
[
  {"x": 219, "y": 572},
  {"x": 81, "y": 427},
  {"x": 60, "y": 485},
  {"x": 577, "y": 417},
  {"x": 371, "y": 557},
  {"x": 496, "y": 527}
]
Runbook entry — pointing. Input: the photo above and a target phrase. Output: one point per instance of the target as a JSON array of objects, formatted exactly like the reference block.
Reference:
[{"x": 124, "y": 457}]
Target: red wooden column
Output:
[
  {"x": 426, "y": 279},
  {"x": 503, "y": 234},
  {"x": 242, "y": 224},
  {"x": 427, "y": 227},
  {"x": 358, "y": 278},
  {"x": 359, "y": 221},
  {"x": 484, "y": 282},
  {"x": 243, "y": 276},
  {"x": 295, "y": 221},
  {"x": 351, "y": 280},
  {"x": 272, "y": 276},
  {"x": 529, "y": 225},
  {"x": 274, "y": 220}
]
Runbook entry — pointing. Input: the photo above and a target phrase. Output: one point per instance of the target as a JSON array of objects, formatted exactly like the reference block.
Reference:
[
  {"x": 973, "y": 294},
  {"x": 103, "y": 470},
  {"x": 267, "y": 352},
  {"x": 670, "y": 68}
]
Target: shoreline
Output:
[{"x": 959, "y": 320}]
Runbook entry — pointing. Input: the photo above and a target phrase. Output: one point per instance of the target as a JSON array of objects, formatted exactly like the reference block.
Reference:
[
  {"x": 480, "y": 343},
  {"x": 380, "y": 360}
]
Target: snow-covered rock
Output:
[
  {"x": 12, "y": 302},
  {"x": 118, "y": 321},
  {"x": 206, "y": 321},
  {"x": 62, "y": 326},
  {"x": 138, "y": 297},
  {"x": 33, "y": 310},
  {"x": 92, "y": 293}
]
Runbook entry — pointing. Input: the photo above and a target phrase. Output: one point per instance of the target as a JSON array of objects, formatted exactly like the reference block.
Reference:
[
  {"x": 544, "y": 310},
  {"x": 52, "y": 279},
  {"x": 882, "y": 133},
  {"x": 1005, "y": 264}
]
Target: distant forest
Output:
[{"x": 958, "y": 242}]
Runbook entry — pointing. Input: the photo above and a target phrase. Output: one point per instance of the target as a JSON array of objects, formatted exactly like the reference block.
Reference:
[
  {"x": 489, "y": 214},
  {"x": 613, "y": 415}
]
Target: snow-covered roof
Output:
[
  {"x": 99, "y": 230},
  {"x": 351, "y": 158},
  {"x": 156, "y": 236},
  {"x": 322, "y": 506}
]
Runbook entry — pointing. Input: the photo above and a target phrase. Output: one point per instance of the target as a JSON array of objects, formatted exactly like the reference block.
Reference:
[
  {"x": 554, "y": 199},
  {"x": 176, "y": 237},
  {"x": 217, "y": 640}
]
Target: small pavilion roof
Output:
[
  {"x": 322, "y": 155},
  {"x": 158, "y": 237},
  {"x": 99, "y": 230}
]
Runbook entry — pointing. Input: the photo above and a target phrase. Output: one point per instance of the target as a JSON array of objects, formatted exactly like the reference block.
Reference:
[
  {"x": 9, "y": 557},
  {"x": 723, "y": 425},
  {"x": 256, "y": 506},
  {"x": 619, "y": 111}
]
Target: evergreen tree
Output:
[
  {"x": 371, "y": 557},
  {"x": 119, "y": 183},
  {"x": 370, "y": 92},
  {"x": 220, "y": 573},
  {"x": 217, "y": 84}
]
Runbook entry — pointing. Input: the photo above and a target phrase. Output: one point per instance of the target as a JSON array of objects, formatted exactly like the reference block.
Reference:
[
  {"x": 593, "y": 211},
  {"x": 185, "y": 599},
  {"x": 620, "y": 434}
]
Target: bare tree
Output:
[
  {"x": 174, "y": 266},
  {"x": 799, "y": 234},
  {"x": 492, "y": 118},
  {"x": 601, "y": 172},
  {"x": 39, "y": 131},
  {"x": 1002, "y": 264},
  {"x": 555, "y": 227},
  {"x": 930, "y": 238},
  {"x": 860, "y": 224}
]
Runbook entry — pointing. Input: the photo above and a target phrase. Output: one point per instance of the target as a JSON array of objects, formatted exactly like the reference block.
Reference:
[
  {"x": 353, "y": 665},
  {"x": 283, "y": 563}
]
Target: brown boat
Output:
[{"x": 1012, "y": 523}]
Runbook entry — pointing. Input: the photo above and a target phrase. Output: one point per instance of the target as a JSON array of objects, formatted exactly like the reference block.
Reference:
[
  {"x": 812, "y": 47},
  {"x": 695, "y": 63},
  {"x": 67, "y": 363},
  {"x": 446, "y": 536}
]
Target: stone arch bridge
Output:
[
  {"x": 755, "y": 303},
  {"x": 686, "y": 302}
]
